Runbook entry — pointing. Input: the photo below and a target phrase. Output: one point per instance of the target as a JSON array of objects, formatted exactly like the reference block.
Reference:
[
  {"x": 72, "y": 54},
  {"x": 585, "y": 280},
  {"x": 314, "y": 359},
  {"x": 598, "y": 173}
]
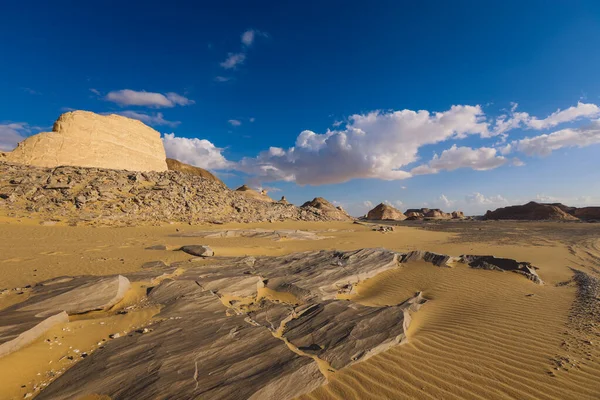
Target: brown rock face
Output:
[
  {"x": 86, "y": 139},
  {"x": 175, "y": 165},
  {"x": 324, "y": 207},
  {"x": 587, "y": 213},
  {"x": 385, "y": 212},
  {"x": 530, "y": 211}
]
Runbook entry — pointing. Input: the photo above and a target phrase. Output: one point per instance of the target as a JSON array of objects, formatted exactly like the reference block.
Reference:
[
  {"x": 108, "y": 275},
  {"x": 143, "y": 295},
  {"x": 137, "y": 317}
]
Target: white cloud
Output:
[
  {"x": 368, "y": 204},
  {"x": 543, "y": 145},
  {"x": 478, "y": 198},
  {"x": 95, "y": 91},
  {"x": 11, "y": 134},
  {"x": 233, "y": 60},
  {"x": 373, "y": 145},
  {"x": 250, "y": 35},
  {"x": 128, "y": 97},
  {"x": 480, "y": 159},
  {"x": 252, "y": 119},
  {"x": 505, "y": 123},
  {"x": 222, "y": 78},
  {"x": 198, "y": 152},
  {"x": 149, "y": 119},
  {"x": 234, "y": 122}
]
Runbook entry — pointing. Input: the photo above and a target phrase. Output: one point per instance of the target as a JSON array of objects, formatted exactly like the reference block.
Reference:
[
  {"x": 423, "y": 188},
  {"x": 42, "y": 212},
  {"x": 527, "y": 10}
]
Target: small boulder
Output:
[{"x": 198, "y": 250}]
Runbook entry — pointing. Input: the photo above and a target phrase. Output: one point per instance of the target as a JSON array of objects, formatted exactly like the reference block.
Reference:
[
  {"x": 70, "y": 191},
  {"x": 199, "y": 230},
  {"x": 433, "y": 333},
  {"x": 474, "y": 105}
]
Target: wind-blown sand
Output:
[{"x": 483, "y": 334}]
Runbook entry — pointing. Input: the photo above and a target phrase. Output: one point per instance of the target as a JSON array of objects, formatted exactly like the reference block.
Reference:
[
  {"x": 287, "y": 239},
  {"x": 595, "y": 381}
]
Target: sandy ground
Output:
[{"x": 484, "y": 334}]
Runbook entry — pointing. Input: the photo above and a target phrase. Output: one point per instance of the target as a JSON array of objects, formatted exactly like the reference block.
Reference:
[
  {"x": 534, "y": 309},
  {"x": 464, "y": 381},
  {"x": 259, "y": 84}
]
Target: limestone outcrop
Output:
[
  {"x": 385, "y": 212},
  {"x": 86, "y": 139},
  {"x": 175, "y": 165}
]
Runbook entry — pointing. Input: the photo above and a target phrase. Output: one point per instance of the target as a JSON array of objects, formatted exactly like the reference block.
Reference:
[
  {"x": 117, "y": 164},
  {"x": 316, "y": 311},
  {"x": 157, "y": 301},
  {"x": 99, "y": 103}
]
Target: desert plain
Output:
[{"x": 480, "y": 334}]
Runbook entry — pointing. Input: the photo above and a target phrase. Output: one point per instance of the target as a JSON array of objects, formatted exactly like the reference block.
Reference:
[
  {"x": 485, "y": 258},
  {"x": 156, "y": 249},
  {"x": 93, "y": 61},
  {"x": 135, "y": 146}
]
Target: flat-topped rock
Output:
[
  {"x": 52, "y": 302},
  {"x": 86, "y": 139}
]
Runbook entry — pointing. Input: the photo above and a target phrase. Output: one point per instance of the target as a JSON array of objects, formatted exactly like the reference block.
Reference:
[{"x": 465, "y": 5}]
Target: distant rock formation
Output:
[
  {"x": 251, "y": 193},
  {"x": 531, "y": 211},
  {"x": 437, "y": 214},
  {"x": 385, "y": 212},
  {"x": 587, "y": 213},
  {"x": 175, "y": 165},
  {"x": 283, "y": 200},
  {"x": 86, "y": 139},
  {"x": 327, "y": 209},
  {"x": 458, "y": 215},
  {"x": 432, "y": 213}
]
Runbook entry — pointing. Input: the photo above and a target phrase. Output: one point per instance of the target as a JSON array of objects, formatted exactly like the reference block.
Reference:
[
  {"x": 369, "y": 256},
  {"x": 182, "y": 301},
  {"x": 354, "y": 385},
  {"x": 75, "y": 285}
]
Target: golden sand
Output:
[{"x": 484, "y": 334}]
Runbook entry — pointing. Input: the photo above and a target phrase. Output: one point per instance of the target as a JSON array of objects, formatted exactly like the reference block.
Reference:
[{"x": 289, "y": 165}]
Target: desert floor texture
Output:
[{"x": 482, "y": 334}]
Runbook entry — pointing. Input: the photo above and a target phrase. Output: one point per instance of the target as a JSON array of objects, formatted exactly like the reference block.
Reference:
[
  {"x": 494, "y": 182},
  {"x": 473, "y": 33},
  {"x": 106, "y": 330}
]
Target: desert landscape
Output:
[{"x": 127, "y": 275}]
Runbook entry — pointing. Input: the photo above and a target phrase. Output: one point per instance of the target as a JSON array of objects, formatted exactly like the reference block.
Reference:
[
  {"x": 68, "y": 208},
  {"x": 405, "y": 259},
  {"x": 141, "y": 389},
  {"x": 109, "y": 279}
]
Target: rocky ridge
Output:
[{"x": 78, "y": 195}]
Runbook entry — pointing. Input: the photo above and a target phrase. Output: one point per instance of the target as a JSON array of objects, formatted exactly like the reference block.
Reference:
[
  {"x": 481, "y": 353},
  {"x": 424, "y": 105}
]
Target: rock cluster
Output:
[
  {"x": 83, "y": 138},
  {"x": 112, "y": 197},
  {"x": 253, "y": 194}
]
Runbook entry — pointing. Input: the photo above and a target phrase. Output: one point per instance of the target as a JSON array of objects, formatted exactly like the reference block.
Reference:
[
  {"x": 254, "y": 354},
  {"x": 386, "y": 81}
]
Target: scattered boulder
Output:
[
  {"x": 175, "y": 165},
  {"x": 86, "y": 139},
  {"x": 502, "y": 264},
  {"x": 199, "y": 251},
  {"x": 384, "y": 212}
]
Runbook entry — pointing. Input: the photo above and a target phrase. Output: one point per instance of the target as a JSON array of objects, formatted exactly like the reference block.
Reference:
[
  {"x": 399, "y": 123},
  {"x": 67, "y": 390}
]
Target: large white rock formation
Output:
[{"x": 86, "y": 139}]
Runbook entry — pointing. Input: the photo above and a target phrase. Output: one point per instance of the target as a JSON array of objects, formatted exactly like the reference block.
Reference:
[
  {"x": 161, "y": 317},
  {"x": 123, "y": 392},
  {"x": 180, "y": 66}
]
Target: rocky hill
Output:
[
  {"x": 531, "y": 211},
  {"x": 97, "y": 196},
  {"x": 385, "y": 212},
  {"x": 253, "y": 194},
  {"x": 86, "y": 139},
  {"x": 328, "y": 209}
]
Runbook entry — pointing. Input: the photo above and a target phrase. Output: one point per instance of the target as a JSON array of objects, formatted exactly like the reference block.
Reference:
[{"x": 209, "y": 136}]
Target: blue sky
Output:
[{"x": 244, "y": 78}]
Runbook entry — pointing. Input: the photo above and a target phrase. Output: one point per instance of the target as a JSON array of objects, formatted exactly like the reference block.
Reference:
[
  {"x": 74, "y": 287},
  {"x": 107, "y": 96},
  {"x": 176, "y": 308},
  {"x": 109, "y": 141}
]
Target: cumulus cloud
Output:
[
  {"x": 481, "y": 159},
  {"x": 543, "y": 145},
  {"x": 149, "y": 119},
  {"x": 374, "y": 145},
  {"x": 368, "y": 204},
  {"x": 233, "y": 60},
  {"x": 222, "y": 79},
  {"x": 198, "y": 152},
  {"x": 478, "y": 198},
  {"x": 234, "y": 122},
  {"x": 11, "y": 134},
  {"x": 516, "y": 119},
  {"x": 128, "y": 97}
]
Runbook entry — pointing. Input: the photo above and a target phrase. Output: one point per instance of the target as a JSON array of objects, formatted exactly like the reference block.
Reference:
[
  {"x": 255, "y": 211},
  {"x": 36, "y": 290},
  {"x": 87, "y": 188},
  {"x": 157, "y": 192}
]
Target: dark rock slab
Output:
[
  {"x": 503, "y": 264},
  {"x": 195, "y": 352},
  {"x": 197, "y": 250},
  {"x": 51, "y": 302},
  {"x": 440, "y": 260}
]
